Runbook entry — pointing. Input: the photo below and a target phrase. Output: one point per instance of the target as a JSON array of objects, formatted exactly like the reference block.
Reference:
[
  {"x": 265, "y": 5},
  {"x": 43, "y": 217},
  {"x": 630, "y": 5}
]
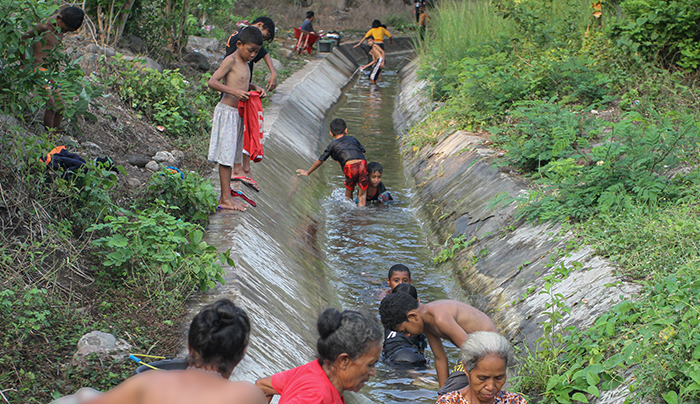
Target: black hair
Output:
[
  {"x": 383, "y": 26},
  {"x": 218, "y": 335},
  {"x": 376, "y": 24},
  {"x": 268, "y": 24},
  {"x": 373, "y": 167},
  {"x": 309, "y": 14},
  {"x": 406, "y": 288},
  {"x": 338, "y": 126},
  {"x": 394, "y": 307},
  {"x": 251, "y": 35},
  {"x": 72, "y": 17},
  {"x": 398, "y": 267},
  {"x": 371, "y": 37},
  {"x": 349, "y": 332}
]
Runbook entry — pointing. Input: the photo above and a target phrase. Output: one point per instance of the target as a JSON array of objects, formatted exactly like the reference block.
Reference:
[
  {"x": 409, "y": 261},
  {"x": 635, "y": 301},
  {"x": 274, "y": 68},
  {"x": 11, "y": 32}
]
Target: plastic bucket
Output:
[{"x": 325, "y": 46}]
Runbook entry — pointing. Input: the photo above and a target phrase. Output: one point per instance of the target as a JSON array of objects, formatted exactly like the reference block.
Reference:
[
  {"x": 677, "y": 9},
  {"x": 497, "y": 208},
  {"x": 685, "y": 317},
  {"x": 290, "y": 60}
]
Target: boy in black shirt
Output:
[{"x": 347, "y": 151}]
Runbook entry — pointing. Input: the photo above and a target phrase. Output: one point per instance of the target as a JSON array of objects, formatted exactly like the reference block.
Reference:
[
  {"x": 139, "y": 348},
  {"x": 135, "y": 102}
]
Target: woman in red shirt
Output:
[{"x": 348, "y": 348}]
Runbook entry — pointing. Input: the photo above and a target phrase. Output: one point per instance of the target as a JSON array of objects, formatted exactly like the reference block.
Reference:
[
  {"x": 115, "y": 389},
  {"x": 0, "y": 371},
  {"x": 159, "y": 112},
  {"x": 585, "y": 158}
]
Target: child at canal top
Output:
[
  {"x": 377, "y": 60},
  {"x": 376, "y": 191},
  {"x": 442, "y": 319},
  {"x": 51, "y": 33},
  {"x": 226, "y": 141},
  {"x": 350, "y": 154},
  {"x": 400, "y": 350}
]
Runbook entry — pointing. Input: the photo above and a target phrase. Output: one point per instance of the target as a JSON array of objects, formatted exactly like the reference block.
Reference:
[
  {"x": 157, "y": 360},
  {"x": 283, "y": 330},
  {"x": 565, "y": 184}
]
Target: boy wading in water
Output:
[
  {"x": 347, "y": 151},
  {"x": 226, "y": 142},
  {"x": 51, "y": 33},
  {"x": 377, "y": 60}
]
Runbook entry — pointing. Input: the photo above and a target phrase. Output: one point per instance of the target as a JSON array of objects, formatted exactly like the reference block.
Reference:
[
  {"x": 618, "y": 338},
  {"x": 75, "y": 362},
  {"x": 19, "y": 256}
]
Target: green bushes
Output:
[
  {"x": 167, "y": 98},
  {"x": 664, "y": 31},
  {"x": 151, "y": 244},
  {"x": 188, "y": 197}
]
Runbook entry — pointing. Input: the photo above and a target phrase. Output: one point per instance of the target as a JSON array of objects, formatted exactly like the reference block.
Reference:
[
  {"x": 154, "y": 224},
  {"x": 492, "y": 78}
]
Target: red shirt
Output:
[
  {"x": 306, "y": 384},
  {"x": 251, "y": 111}
]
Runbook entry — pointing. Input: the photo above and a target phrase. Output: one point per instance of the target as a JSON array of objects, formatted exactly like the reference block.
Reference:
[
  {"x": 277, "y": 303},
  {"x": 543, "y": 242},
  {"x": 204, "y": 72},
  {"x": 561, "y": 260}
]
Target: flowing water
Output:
[{"x": 305, "y": 248}]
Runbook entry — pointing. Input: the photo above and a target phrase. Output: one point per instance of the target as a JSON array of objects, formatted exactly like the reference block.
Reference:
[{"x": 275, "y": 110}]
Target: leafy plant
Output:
[
  {"x": 153, "y": 244},
  {"x": 457, "y": 244},
  {"x": 192, "y": 197}
]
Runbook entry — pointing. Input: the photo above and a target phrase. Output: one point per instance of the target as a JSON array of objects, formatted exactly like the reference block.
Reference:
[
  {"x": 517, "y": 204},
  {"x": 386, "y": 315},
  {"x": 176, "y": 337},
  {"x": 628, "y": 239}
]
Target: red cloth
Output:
[
  {"x": 306, "y": 384},
  {"x": 252, "y": 113},
  {"x": 356, "y": 174}
]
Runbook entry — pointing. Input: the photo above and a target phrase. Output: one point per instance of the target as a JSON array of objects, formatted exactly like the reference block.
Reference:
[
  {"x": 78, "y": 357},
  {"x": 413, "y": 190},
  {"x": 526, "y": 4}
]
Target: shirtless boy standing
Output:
[
  {"x": 442, "y": 319},
  {"x": 378, "y": 60},
  {"x": 226, "y": 142},
  {"x": 51, "y": 33}
]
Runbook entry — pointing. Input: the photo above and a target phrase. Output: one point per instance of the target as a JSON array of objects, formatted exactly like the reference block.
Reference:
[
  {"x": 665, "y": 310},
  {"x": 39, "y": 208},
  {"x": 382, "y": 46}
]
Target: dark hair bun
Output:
[{"x": 328, "y": 322}]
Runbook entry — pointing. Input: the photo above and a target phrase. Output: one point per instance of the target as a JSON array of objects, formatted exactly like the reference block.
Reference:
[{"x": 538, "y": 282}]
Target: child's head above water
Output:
[
  {"x": 398, "y": 274},
  {"x": 406, "y": 288},
  {"x": 395, "y": 308},
  {"x": 338, "y": 127},
  {"x": 72, "y": 18},
  {"x": 375, "y": 171}
]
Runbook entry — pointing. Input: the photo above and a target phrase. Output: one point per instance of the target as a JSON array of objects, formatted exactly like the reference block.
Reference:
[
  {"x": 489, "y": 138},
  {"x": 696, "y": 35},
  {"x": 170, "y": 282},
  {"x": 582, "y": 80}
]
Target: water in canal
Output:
[{"x": 304, "y": 248}]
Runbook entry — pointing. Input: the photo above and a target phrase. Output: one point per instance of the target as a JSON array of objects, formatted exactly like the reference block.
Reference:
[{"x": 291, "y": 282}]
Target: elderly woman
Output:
[
  {"x": 348, "y": 348},
  {"x": 485, "y": 356}
]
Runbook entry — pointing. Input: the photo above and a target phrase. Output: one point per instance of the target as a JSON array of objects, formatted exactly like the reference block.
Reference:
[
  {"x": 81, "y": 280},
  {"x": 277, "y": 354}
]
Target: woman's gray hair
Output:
[
  {"x": 349, "y": 332},
  {"x": 482, "y": 343}
]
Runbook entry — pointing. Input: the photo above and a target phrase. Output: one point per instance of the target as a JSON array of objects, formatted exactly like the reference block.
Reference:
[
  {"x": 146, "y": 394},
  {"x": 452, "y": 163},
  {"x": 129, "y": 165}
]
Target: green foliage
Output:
[
  {"x": 24, "y": 87},
  {"x": 166, "y": 98},
  {"x": 457, "y": 244},
  {"x": 664, "y": 31},
  {"x": 152, "y": 244},
  {"x": 400, "y": 23},
  {"x": 192, "y": 197},
  {"x": 633, "y": 159}
]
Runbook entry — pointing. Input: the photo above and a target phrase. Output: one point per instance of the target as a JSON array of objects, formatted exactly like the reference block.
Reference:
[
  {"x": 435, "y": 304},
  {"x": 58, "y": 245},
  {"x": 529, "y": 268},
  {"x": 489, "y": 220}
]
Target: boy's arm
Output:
[
  {"x": 313, "y": 168},
  {"x": 220, "y": 73},
  {"x": 441, "y": 366},
  {"x": 272, "y": 81},
  {"x": 374, "y": 60},
  {"x": 363, "y": 39}
]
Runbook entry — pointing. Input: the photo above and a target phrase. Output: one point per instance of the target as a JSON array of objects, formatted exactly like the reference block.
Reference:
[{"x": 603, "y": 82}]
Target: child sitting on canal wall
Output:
[{"x": 350, "y": 154}]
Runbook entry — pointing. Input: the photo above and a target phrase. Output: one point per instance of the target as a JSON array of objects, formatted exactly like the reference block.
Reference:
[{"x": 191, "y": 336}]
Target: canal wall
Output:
[{"x": 505, "y": 269}]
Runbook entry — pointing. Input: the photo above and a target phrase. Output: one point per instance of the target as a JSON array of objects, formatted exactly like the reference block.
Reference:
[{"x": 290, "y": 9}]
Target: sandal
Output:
[
  {"x": 249, "y": 182},
  {"x": 245, "y": 198}
]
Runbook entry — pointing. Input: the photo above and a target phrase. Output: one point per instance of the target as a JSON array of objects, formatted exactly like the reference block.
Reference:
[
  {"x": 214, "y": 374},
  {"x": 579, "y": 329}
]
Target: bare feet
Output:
[{"x": 230, "y": 203}]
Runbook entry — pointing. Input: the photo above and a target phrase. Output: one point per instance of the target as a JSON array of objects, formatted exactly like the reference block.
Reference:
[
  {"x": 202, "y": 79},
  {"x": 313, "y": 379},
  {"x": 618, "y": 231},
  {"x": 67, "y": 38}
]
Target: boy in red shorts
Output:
[{"x": 347, "y": 151}]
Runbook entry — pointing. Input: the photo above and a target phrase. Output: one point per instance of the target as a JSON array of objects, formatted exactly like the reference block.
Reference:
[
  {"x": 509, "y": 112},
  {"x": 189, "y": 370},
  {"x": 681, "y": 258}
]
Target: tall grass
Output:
[{"x": 458, "y": 26}]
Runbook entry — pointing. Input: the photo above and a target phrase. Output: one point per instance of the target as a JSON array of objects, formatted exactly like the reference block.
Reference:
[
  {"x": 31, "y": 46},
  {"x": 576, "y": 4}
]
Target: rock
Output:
[
  {"x": 92, "y": 148},
  {"x": 109, "y": 52},
  {"x": 83, "y": 395},
  {"x": 144, "y": 62},
  {"x": 276, "y": 64},
  {"x": 133, "y": 182},
  {"x": 198, "y": 60},
  {"x": 7, "y": 120},
  {"x": 92, "y": 48},
  {"x": 164, "y": 156},
  {"x": 69, "y": 142},
  {"x": 179, "y": 155},
  {"x": 135, "y": 44},
  {"x": 287, "y": 53},
  {"x": 153, "y": 166},
  {"x": 105, "y": 345},
  {"x": 200, "y": 44},
  {"x": 137, "y": 160}
]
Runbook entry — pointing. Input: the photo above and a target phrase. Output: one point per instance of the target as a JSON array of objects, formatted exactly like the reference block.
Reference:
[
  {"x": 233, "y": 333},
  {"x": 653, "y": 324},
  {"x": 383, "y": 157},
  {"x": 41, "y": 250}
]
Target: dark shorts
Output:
[
  {"x": 356, "y": 174},
  {"x": 456, "y": 381}
]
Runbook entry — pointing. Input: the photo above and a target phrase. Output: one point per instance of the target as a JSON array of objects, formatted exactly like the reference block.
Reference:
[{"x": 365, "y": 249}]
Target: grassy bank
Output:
[{"x": 596, "y": 107}]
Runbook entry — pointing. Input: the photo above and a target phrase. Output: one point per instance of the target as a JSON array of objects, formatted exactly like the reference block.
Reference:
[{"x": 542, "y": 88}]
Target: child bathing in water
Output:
[
  {"x": 376, "y": 191},
  {"x": 347, "y": 151}
]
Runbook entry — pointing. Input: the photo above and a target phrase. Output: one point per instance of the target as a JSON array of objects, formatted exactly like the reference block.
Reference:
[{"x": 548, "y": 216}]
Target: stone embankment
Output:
[{"x": 505, "y": 268}]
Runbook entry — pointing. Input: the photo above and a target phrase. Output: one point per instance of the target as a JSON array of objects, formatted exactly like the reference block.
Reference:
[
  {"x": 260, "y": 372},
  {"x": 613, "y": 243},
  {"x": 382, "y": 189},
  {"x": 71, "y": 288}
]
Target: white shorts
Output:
[
  {"x": 377, "y": 69},
  {"x": 226, "y": 142}
]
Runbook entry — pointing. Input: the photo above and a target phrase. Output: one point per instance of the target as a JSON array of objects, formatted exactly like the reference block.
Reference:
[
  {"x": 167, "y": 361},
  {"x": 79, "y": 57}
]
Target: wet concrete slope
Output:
[{"x": 455, "y": 185}]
